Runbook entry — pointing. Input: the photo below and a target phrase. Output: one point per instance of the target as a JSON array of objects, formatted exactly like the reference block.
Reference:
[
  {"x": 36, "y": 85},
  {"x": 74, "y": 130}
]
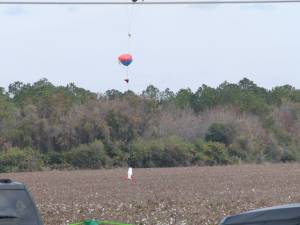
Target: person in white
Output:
[{"x": 130, "y": 172}]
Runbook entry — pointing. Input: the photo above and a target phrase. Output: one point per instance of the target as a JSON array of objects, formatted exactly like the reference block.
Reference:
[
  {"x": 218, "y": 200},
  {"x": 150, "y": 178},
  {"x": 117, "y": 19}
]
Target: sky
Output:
[{"x": 173, "y": 47}]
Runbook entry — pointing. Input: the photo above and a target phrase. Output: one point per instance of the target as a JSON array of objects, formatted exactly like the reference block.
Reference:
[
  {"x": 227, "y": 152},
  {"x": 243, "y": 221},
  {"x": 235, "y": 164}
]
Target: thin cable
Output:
[
  {"x": 130, "y": 17},
  {"x": 130, "y": 23},
  {"x": 146, "y": 3}
]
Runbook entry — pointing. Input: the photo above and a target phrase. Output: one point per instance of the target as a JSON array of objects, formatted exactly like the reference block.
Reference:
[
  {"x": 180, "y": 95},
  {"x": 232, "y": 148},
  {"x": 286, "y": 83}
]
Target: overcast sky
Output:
[{"x": 173, "y": 46}]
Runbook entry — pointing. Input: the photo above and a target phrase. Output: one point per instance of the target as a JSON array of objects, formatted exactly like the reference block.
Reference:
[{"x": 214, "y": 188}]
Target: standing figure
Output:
[{"x": 130, "y": 173}]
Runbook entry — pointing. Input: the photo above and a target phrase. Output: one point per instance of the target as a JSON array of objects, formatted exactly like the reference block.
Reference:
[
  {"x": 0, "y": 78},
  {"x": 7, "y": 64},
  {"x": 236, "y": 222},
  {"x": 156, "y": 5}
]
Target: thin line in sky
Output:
[{"x": 146, "y": 2}]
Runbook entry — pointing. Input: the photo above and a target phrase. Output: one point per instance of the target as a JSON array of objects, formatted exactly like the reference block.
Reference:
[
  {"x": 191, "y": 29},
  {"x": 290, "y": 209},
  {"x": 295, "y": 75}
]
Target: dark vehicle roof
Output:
[
  {"x": 19, "y": 191},
  {"x": 279, "y": 215},
  {"x": 7, "y": 184}
]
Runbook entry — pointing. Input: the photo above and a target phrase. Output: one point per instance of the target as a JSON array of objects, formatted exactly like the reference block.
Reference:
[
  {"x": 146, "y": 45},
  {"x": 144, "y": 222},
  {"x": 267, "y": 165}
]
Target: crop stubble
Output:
[{"x": 183, "y": 196}]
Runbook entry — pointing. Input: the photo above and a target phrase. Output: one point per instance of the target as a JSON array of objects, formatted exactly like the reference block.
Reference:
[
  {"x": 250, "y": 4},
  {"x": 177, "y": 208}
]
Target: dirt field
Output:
[{"x": 161, "y": 196}]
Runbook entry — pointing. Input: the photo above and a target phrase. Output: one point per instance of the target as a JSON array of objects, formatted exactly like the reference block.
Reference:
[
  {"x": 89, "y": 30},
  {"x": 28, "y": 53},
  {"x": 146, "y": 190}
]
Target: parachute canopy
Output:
[{"x": 125, "y": 59}]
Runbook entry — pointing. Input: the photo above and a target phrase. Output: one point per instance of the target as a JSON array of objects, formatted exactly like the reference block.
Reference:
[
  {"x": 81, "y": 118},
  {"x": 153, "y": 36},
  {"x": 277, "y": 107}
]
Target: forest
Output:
[{"x": 43, "y": 126}]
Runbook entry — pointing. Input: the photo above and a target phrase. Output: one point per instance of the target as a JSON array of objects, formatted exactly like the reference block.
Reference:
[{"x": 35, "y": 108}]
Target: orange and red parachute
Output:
[{"x": 125, "y": 59}]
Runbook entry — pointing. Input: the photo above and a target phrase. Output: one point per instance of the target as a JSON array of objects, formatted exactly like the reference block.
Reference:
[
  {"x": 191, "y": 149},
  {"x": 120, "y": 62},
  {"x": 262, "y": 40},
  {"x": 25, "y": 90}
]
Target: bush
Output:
[
  {"x": 217, "y": 154},
  {"x": 17, "y": 160},
  {"x": 118, "y": 152},
  {"x": 88, "y": 156},
  {"x": 55, "y": 160},
  {"x": 211, "y": 153},
  {"x": 177, "y": 152},
  {"x": 275, "y": 153},
  {"x": 242, "y": 149},
  {"x": 218, "y": 132},
  {"x": 165, "y": 152}
]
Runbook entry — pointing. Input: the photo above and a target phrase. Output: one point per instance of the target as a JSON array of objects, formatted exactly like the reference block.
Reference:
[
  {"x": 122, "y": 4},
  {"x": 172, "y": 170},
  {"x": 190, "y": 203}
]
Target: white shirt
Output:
[{"x": 130, "y": 172}]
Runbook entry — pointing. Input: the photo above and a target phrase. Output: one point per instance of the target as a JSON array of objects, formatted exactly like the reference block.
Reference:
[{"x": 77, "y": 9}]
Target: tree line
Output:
[{"x": 43, "y": 126}]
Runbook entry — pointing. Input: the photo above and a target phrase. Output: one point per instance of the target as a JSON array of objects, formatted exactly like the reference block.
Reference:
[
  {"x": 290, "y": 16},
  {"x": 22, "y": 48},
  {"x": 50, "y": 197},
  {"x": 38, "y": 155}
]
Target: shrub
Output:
[
  {"x": 165, "y": 152},
  {"x": 211, "y": 153},
  {"x": 92, "y": 156},
  {"x": 242, "y": 149},
  {"x": 118, "y": 151},
  {"x": 218, "y": 132},
  {"x": 15, "y": 159},
  {"x": 276, "y": 153},
  {"x": 56, "y": 160}
]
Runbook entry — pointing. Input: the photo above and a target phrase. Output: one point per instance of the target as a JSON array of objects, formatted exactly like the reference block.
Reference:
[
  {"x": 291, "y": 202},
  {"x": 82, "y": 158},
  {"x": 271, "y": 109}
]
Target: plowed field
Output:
[{"x": 195, "y": 195}]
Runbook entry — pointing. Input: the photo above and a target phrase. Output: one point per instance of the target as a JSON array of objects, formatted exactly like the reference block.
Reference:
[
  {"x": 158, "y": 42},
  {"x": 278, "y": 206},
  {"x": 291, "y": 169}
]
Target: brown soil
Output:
[{"x": 181, "y": 196}]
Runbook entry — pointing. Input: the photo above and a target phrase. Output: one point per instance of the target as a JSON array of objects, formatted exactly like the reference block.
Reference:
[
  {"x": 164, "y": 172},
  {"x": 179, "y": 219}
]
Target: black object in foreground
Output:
[
  {"x": 279, "y": 215},
  {"x": 16, "y": 205}
]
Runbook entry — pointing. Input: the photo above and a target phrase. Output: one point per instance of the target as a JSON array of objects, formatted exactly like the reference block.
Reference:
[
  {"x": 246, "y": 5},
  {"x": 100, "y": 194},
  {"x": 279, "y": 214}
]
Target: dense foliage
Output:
[{"x": 48, "y": 126}]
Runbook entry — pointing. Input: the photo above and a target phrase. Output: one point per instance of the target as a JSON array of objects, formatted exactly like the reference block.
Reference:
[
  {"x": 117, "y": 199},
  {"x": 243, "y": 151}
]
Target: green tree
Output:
[
  {"x": 152, "y": 92},
  {"x": 184, "y": 98}
]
